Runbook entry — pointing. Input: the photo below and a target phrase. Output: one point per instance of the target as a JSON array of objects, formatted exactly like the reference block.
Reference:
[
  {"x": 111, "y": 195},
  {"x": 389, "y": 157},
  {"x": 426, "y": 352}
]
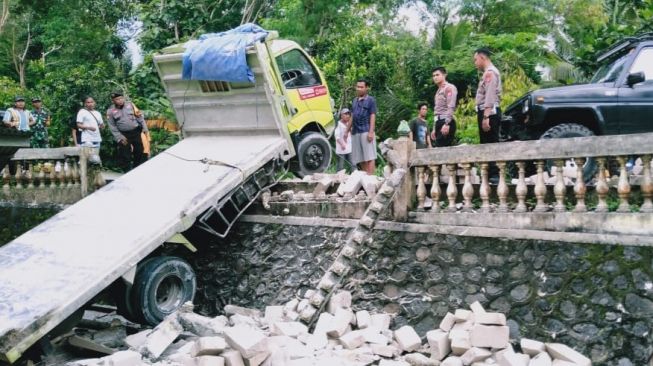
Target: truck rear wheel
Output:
[
  {"x": 568, "y": 130},
  {"x": 313, "y": 153},
  {"x": 161, "y": 286}
]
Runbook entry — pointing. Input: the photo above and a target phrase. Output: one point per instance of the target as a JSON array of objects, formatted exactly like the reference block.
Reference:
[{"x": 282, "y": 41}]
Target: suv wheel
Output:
[
  {"x": 568, "y": 130},
  {"x": 313, "y": 153}
]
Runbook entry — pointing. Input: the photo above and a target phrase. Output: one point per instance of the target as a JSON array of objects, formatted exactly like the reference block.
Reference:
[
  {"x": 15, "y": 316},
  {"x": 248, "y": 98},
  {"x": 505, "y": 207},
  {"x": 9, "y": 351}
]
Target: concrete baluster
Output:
[
  {"x": 484, "y": 190},
  {"x": 452, "y": 190},
  {"x": 560, "y": 188},
  {"x": 468, "y": 189},
  {"x": 540, "y": 188},
  {"x": 521, "y": 190},
  {"x": 647, "y": 185},
  {"x": 19, "y": 174},
  {"x": 421, "y": 189},
  {"x": 53, "y": 174},
  {"x": 58, "y": 168},
  {"x": 602, "y": 187},
  {"x": 502, "y": 188},
  {"x": 28, "y": 176},
  {"x": 41, "y": 175},
  {"x": 623, "y": 187},
  {"x": 75, "y": 171},
  {"x": 435, "y": 188},
  {"x": 6, "y": 178},
  {"x": 67, "y": 172},
  {"x": 579, "y": 188}
]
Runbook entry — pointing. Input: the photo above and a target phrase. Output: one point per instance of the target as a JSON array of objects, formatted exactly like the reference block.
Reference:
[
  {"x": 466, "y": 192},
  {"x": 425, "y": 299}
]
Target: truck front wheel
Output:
[
  {"x": 161, "y": 286},
  {"x": 313, "y": 153},
  {"x": 568, "y": 130}
]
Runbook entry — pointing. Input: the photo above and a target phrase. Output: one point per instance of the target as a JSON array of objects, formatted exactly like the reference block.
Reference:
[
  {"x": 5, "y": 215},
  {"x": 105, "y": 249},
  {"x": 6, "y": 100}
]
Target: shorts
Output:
[{"x": 361, "y": 149}]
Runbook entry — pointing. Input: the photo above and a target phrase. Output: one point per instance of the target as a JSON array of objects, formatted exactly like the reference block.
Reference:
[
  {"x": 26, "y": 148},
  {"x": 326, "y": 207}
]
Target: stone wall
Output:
[{"x": 596, "y": 298}]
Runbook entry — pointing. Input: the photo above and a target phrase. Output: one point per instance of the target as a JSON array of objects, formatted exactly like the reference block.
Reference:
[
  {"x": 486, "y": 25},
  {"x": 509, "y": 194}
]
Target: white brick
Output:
[
  {"x": 514, "y": 359},
  {"x": 324, "y": 323},
  {"x": 452, "y": 361},
  {"x": 489, "y": 336},
  {"x": 475, "y": 354},
  {"x": 302, "y": 305},
  {"x": 373, "y": 336},
  {"x": 234, "y": 309},
  {"x": 292, "y": 315},
  {"x": 393, "y": 363},
  {"x": 208, "y": 346},
  {"x": 353, "y": 183},
  {"x": 293, "y": 348},
  {"x": 466, "y": 326},
  {"x": 123, "y": 358},
  {"x": 447, "y": 322},
  {"x": 203, "y": 326},
  {"x": 340, "y": 322},
  {"x": 238, "y": 319},
  {"x": 135, "y": 341},
  {"x": 541, "y": 359},
  {"x": 316, "y": 341},
  {"x": 363, "y": 319},
  {"x": 257, "y": 359},
  {"x": 232, "y": 358},
  {"x": 565, "y": 353},
  {"x": 418, "y": 359},
  {"x": 407, "y": 338},
  {"x": 490, "y": 318},
  {"x": 290, "y": 329},
  {"x": 381, "y": 321},
  {"x": 161, "y": 337},
  {"x": 385, "y": 351},
  {"x": 477, "y": 308},
  {"x": 353, "y": 339},
  {"x": 558, "y": 362},
  {"x": 531, "y": 347},
  {"x": 273, "y": 314},
  {"x": 249, "y": 342},
  {"x": 209, "y": 361},
  {"x": 499, "y": 356},
  {"x": 370, "y": 184},
  {"x": 341, "y": 299},
  {"x": 462, "y": 315},
  {"x": 289, "y": 306},
  {"x": 439, "y": 343},
  {"x": 458, "y": 333},
  {"x": 459, "y": 346}
]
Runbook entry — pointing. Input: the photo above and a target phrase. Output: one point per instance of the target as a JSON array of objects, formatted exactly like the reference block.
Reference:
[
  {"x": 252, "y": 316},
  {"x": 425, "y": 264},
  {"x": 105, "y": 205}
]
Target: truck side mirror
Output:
[{"x": 635, "y": 78}]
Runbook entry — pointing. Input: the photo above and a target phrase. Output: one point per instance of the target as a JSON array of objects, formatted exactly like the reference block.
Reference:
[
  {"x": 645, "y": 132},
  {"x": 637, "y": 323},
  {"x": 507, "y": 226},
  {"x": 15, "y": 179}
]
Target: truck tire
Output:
[
  {"x": 568, "y": 130},
  {"x": 161, "y": 286},
  {"x": 313, "y": 154}
]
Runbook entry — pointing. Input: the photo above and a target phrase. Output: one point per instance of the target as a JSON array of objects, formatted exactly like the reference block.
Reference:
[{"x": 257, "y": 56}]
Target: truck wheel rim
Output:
[
  {"x": 313, "y": 157},
  {"x": 169, "y": 294}
]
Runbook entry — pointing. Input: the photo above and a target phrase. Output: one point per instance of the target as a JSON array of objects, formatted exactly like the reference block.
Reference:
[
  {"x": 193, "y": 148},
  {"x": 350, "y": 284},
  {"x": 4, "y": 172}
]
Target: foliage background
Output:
[{"x": 64, "y": 50}]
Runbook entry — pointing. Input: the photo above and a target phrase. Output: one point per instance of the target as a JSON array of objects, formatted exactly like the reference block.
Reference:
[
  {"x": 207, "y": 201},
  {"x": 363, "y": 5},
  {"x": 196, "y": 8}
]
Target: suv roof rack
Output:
[{"x": 623, "y": 44}]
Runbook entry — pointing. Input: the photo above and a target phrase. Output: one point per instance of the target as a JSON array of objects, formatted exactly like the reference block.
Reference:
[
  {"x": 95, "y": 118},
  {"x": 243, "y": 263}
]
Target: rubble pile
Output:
[{"x": 340, "y": 337}]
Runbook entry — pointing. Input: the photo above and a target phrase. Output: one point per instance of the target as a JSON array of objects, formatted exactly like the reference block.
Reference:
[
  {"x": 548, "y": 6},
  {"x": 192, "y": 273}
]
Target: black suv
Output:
[{"x": 617, "y": 100}]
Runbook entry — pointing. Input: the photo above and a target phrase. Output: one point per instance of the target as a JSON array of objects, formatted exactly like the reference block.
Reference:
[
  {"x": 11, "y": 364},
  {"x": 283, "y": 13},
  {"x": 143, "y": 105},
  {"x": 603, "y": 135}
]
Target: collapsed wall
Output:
[{"x": 597, "y": 299}]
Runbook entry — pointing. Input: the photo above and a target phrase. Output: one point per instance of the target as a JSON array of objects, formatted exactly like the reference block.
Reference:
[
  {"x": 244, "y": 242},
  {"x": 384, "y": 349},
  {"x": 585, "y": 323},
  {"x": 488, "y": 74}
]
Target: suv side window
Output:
[
  {"x": 296, "y": 70},
  {"x": 644, "y": 63}
]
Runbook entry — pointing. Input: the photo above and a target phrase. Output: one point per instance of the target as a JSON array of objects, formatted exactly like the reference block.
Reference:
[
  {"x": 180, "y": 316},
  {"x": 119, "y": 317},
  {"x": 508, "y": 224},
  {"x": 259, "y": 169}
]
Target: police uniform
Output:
[
  {"x": 488, "y": 95},
  {"x": 445, "y": 106},
  {"x": 126, "y": 122}
]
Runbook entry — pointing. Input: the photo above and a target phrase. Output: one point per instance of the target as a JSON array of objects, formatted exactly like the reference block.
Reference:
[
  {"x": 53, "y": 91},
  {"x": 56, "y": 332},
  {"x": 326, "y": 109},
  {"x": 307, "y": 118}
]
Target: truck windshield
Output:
[{"x": 611, "y": 70}]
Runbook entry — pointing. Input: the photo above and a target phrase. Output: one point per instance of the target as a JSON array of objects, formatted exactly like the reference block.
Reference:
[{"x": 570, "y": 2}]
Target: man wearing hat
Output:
[
  {"x": 126, "y": 124},
  {"x": 17, "y": 117},
  {"x": 343, "y": 145},
  {"x": 41, "y": 123}
]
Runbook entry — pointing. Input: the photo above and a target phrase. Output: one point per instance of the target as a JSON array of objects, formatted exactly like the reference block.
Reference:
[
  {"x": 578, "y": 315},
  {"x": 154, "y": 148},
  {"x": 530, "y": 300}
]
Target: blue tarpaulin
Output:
[{"x": 222, "y": 56}]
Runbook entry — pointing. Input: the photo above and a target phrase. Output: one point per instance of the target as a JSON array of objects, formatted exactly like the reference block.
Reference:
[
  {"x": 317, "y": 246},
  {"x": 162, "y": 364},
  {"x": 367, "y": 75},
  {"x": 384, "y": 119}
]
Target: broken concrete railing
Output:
[
  {"x": 431, "y": 165},
  {"x": 51, "y": 176}
]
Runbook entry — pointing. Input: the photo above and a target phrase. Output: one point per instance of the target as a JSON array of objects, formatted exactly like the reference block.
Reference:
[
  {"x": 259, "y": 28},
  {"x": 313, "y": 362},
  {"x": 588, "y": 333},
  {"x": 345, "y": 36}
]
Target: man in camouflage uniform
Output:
[
  {"x": 488, "y": 97},
  {"x": 41, "y": 123},
  {"x": 444, "y": 128},
  {"x": 126, "y": 124}
]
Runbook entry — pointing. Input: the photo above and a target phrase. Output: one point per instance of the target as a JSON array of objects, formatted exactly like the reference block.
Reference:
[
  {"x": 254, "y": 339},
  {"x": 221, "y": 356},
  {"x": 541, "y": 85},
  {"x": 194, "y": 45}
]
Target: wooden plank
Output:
[{"x": 577, "y": 147}]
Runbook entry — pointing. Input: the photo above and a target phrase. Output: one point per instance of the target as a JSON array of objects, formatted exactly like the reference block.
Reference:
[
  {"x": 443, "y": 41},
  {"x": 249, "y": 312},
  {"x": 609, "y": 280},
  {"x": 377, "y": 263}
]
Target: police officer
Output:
[
  {"x": 126, "y": 124},
  {"x": 444, "y": 128},
  {"x": 488, "y": 97}
]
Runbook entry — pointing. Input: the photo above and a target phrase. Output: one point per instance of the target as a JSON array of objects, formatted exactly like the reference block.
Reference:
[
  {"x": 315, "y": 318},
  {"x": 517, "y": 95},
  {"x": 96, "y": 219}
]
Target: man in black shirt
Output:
[{"x": 419, "y": 128}]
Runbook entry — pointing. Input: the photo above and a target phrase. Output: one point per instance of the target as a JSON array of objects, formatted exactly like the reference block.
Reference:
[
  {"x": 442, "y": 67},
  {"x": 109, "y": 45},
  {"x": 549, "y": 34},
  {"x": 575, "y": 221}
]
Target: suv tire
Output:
[
  {"x": 313, "y": 154},
  {"x": 569, "y": 130},
  {"x": 161, "y": 286}
]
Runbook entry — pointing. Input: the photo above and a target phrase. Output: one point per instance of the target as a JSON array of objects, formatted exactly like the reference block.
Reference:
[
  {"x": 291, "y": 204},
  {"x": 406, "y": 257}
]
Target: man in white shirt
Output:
[
  {"x": 343, "y": 146},
  {"x": 89, "y": 121}
]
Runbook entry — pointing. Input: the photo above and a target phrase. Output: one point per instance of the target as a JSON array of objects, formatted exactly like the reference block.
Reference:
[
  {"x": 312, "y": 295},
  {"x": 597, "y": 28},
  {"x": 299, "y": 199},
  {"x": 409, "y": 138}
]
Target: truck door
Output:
[
  {"x": 636, "y": 101},
  {"x": 307, "y": 91}
]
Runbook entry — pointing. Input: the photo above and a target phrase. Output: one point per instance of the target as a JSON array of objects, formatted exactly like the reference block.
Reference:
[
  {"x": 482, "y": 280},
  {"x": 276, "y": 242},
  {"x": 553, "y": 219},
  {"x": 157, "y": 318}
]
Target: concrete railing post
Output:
[{"x": 405, "y": 195}]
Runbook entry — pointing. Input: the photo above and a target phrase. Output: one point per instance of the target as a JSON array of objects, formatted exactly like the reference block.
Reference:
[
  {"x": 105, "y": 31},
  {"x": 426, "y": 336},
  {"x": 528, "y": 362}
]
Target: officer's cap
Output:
[
  {"x": 116, "y": 94},
  {"x": 18, "y": 98}
]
